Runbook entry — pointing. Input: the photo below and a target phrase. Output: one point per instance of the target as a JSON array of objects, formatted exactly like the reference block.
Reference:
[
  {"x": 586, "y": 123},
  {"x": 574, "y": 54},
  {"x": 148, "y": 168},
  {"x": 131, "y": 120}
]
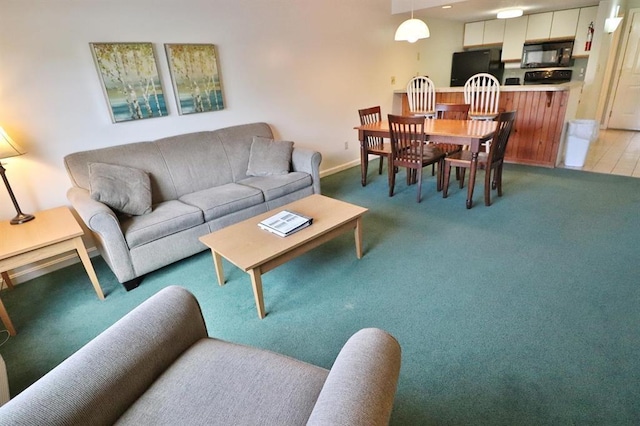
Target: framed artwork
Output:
[
  {"x": 130, "y": 81},
  {"x": 195, "y": 77}
]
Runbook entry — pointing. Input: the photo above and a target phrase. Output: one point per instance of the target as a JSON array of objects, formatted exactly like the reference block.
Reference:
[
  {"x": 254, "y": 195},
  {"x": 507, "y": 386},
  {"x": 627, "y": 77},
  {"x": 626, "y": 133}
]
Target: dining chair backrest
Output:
[
  {"x": 506, "y": 122},
  {"x": 368, "y": 116},
  {"x": 407, "y": 138},
  {"x": 452, "y": 111},
  {"x": 421, "y": 96},
  {"x": 482, "y": 93}
]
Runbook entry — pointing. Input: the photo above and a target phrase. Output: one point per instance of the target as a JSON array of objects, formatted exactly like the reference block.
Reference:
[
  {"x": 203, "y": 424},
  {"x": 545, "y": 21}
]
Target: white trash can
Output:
[{"x": 580, "y": 134}]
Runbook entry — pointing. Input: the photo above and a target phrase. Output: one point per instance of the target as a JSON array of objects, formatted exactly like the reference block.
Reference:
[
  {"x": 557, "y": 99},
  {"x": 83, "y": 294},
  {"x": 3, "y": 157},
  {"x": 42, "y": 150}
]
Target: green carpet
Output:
[{"x": 523, "y": 313}]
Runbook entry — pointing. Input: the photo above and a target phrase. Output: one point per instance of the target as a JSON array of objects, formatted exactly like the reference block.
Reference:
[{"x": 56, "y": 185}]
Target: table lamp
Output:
[{"x": 8, "y": 148}]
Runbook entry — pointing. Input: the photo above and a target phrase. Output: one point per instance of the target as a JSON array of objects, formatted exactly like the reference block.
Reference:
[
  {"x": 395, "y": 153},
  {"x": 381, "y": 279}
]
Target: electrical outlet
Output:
[
  {"x": 393, "y": 79},
  {"x": 346, "y": 145}
]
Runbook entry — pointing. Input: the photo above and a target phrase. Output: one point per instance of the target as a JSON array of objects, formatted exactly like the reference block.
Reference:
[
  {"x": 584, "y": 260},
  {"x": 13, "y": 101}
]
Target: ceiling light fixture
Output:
[
  {"x": 509, "y": 13},
  {"x": 412, "y": 30},
  {"x": 611, "y": 24}
]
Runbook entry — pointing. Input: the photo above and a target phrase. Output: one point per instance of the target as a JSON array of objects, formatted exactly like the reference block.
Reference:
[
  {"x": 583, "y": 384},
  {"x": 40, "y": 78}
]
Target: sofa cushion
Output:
[
  {"x": 277, "y": 186},
  {"x": 222, "y": 200},
  {"x": 195, "y": 161},
  {"x": 124, "y": 189},
  {"x": 220, "y": 383},
  {"x": 269, "y": 157},
  {"x": 166, "y": 218}
]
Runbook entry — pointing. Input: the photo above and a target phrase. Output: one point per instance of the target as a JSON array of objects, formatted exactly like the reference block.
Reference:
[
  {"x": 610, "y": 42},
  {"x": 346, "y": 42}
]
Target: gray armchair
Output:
[{"x": 157, "y": 366}]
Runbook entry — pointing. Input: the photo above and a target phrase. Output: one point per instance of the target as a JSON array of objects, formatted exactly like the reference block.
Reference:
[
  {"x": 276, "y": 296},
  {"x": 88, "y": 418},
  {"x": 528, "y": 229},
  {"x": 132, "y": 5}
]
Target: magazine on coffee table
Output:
[{"x": 285, "y": 223}]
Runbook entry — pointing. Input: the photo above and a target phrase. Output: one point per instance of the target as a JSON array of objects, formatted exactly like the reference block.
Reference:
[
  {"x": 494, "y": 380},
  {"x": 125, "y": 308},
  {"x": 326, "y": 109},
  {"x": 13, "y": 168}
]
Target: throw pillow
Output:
[
  {"x": 269, "y": 157},
  {"x": 124, "y": 189}
]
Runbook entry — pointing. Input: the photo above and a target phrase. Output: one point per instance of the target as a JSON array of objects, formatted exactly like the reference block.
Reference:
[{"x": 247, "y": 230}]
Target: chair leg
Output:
[
  {"x": 381, "y": 163},
  {"x": 487, "y": 186},
  {"x": 463, "y": 170},
  {"x": 391, "y": 177},
  {"x": 418, "y": 173},
  {"x": 447, "y": 173},
  {"x": 440, "y": 175},
  {"x": 498, "y": 179}
]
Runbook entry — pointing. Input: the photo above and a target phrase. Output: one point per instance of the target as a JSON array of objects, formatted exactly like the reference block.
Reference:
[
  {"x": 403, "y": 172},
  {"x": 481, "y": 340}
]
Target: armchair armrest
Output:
[
  {"x": 306, "y": 160},
  {"x": 104, "y": 224},
  {"x": 361, "y": 385},
  {"x": 100, "y": 381}
]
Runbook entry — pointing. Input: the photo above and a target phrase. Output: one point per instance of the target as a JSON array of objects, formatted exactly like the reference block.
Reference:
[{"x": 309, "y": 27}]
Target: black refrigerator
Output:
[{"x": 466, "y": 64}]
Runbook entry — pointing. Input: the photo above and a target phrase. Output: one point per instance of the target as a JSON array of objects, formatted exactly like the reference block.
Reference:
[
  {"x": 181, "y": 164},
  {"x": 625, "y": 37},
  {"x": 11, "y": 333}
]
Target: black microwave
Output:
[{"x": 547, "y": 54}]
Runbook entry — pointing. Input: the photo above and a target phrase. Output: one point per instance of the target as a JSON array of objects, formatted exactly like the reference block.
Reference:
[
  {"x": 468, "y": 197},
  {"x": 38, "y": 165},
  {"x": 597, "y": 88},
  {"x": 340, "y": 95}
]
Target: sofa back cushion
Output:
[
  {"x": 195, "y": 161},
  {"x": 202, "y": 160},
  {"x": 141, "y": 155}
]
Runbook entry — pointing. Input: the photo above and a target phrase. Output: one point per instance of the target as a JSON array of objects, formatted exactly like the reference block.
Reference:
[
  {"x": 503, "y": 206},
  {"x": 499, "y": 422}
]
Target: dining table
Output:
[{"x": 471, "y": 133}]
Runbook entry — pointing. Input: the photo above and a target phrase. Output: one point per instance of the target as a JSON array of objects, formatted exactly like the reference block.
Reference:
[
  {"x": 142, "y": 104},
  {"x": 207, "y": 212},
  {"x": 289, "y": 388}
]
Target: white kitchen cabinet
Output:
[
  {"x": 539, "y": 26},
  {"x": 473, "y": 34},
  {"x": 515, "y": 31},
  {"x": 564, "y": 23},
  {"x": 587, "y": 16},
  {"x": 493, "y": 31}
]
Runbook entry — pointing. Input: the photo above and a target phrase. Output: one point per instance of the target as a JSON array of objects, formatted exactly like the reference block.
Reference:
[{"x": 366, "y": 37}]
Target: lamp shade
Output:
[
  {"x": 8, "y": 148},
  {"x": 412, "y": 30}
]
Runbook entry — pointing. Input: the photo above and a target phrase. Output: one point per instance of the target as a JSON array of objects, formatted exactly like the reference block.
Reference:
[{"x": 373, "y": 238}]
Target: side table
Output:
[{"x": 52, "y": 232}]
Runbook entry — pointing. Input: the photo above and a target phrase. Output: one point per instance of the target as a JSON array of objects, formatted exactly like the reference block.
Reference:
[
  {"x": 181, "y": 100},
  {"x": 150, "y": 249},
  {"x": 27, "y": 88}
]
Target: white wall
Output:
[{"x": 303, "y": 66}]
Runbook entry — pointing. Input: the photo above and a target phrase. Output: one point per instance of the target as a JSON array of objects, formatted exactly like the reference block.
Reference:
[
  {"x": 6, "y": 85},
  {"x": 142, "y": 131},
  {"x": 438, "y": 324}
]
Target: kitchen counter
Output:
[
  {"x": 543, "y": 111},
  {"x": 518, "y": 88}
]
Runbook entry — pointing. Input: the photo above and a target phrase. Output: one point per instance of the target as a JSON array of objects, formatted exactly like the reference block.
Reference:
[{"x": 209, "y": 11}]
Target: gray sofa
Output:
[
  {"x": 157, "y": 366},
  {"x": 195, "y": 183}
]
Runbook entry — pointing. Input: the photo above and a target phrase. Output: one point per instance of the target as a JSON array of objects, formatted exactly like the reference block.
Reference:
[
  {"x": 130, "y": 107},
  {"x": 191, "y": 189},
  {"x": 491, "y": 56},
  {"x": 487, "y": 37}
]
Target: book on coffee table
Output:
[{"x": 285, "y": 223}]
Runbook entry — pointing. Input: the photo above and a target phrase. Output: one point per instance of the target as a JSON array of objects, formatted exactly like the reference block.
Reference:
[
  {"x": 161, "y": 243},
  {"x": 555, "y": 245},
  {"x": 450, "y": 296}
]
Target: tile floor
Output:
[{"x": 615, "y": 152}]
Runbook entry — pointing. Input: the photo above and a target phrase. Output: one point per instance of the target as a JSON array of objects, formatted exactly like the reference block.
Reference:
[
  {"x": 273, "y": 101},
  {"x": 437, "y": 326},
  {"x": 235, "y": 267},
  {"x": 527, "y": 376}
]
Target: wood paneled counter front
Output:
[{"x": 543, "y": 111}]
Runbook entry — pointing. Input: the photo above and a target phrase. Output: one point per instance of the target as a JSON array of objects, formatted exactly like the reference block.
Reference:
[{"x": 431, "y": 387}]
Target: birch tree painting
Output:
[
  {"x": 130, "y": 80},
  {"x": 195, "y": 76}
]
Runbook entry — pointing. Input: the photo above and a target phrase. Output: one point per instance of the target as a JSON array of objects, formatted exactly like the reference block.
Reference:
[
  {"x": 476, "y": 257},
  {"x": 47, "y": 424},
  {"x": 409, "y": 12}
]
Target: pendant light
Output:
[{"x": 412, "y": 29}]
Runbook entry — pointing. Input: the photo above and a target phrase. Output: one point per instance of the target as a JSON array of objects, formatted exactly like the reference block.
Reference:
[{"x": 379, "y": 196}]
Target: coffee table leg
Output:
[
  {"x": 358, "y": 236},
  {"x": 84, "y": 257},
  {"x": 256, "y": 282},
  {"x": 217, "y": 262}
]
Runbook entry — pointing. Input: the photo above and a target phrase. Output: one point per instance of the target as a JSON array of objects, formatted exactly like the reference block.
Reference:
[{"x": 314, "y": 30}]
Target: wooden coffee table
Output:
[{"x": 256, "y": 251}]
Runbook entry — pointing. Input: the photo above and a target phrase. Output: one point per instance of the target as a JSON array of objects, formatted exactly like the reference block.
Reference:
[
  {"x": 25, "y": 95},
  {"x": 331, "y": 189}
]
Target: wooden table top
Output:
[
  {"x": 246, "y": 245},
  {"x": 49, "y": 227},
  {"x": 479, "y": 129}
]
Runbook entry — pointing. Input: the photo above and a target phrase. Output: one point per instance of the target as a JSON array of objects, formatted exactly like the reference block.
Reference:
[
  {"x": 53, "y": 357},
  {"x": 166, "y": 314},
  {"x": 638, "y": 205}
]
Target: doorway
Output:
[{"x": 625, "y": 108}]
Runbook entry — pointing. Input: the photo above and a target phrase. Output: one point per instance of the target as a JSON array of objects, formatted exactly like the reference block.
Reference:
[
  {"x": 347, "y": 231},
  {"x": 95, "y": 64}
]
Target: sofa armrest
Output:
[
  {"x": 104, "y": 224},
  {"x": 361, "y": 385},
  {"x": 306, "y": 160},
  {"x": 99, "y": 382}
]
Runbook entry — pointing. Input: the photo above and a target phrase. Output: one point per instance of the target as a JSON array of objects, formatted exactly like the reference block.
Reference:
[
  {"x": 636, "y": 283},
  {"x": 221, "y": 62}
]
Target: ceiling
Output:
[{"x": 480, "y": 10}]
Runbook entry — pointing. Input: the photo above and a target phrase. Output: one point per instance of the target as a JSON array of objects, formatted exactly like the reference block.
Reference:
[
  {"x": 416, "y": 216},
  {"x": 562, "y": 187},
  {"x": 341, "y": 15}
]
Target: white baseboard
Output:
[{"x": 339, "y": 168}]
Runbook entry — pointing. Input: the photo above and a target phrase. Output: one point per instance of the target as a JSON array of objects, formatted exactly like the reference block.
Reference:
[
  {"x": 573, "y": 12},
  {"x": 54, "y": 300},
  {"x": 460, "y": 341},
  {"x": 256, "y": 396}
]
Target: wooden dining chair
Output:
[
  {"x": 482, "y": 93},
  {"x": 410, "y": 150},
  {"x": 490, "y": 162},
  {"x": 451, "y": 112},
  {"x": 421, "y": 96},
  {"x": 373, "y": 144}
]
